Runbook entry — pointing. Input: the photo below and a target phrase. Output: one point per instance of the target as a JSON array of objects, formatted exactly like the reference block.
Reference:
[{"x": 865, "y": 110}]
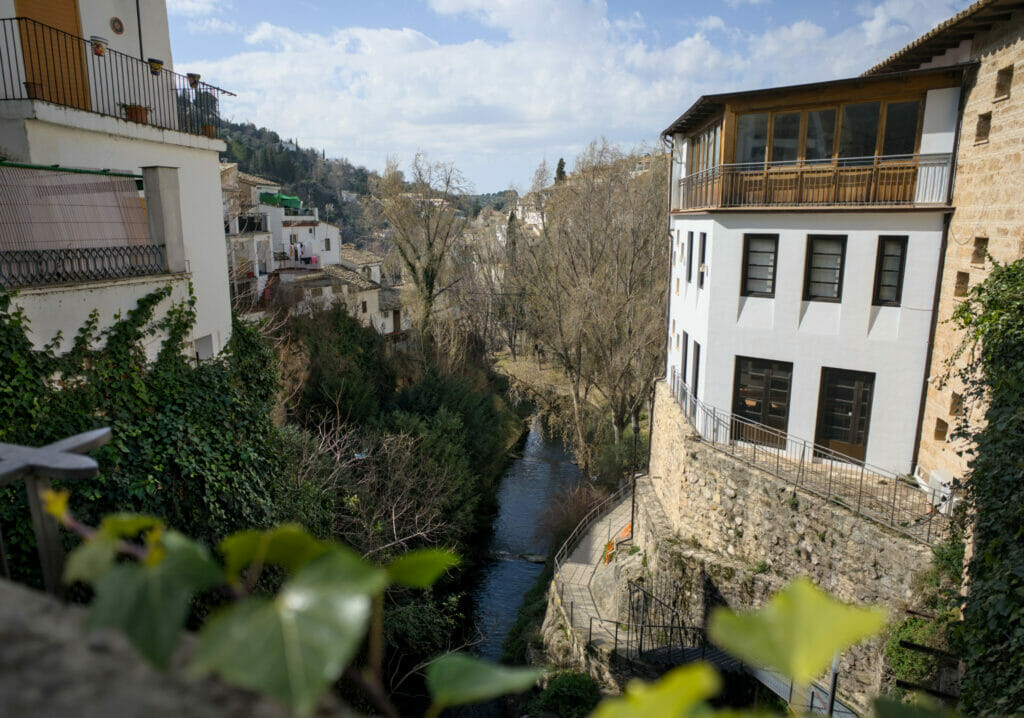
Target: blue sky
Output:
[{"x": 496, "y": 86}]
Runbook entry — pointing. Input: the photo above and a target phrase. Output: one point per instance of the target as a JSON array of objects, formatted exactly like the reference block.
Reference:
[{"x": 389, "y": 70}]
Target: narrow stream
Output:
[{"x": 526, "y": 488}]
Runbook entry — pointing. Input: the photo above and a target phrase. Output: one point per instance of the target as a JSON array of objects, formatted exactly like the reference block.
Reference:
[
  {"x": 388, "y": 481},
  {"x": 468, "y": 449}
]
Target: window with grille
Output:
[
  {"x": 892, "y": 260},
  {"x": 759, "y": 255},
  {"x": 823, "y": 276}
]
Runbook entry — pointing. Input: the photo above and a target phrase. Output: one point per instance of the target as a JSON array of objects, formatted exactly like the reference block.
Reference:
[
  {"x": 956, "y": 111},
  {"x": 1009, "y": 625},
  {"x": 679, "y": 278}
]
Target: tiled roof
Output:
[
  {"x": 253, "y": 179},
  {"x": 350, "y": 277},
  {"x": 358, "y": 257}
]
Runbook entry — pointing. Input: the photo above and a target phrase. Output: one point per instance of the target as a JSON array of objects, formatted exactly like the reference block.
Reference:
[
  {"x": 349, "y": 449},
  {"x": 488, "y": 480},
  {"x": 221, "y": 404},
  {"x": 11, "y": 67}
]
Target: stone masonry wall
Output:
[
  {"x": 988, "y": 194},
  {"x": 718, "y": 531}
]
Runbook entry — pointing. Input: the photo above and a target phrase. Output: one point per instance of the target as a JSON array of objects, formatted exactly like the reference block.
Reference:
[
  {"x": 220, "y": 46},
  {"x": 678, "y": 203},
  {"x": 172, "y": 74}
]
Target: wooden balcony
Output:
[{"x": 885, "y": 181}]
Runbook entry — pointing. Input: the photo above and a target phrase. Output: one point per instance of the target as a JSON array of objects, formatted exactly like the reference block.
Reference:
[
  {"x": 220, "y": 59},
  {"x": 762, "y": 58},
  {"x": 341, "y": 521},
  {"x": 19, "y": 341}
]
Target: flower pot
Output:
[
  {"x": 136, "y": 113},
  {"x": 193, "y": 80},
  {"x": 35, "y": 90},
  {"x": 99, "y": 45},
  {"x": 210, "y": 130},
  {"x": 155, "y": 66}
]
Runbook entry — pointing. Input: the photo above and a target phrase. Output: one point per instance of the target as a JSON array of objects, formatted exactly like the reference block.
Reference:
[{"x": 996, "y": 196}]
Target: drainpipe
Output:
[{"x": 138, "y": 21}]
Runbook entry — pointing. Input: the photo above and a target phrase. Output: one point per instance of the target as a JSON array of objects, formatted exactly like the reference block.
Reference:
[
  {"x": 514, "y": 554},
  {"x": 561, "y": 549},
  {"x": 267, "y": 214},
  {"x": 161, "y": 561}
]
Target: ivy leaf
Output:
[
  {"x": 149, "y": 603},
  {"x": 91, "y": 560},
  {"x": 797, "y": 632},
  {"x": 127, "y": 525},
  {"x": 294, "y": 645},
  {"x": 421, "y": 568},
  {"x": 288, "y": 545},
  {"x": 679, "y": 693},
  {"x": 457, "y": 679}
]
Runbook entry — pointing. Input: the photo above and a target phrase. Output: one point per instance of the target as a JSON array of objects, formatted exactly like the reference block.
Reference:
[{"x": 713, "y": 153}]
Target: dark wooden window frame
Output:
[
  {"x": 689, "y": 257},
  {"x": 685, "y": 357},
  {"x": 746, "y": 263},
  {"x": 695, "y": 384},
  {"x": 702, "y": 260},
  {"x": 767, "y": 365},
  {"x": 809, "y": 254},
  {"x": 882, "y": 240}
]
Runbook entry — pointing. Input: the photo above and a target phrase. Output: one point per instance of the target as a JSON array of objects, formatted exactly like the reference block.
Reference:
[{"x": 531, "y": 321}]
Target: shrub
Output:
[{"x": 568, "y": 695}]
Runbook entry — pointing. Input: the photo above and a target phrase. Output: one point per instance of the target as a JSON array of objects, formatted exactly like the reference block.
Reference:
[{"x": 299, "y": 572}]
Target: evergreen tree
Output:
[{"x": 560, "y": 170}]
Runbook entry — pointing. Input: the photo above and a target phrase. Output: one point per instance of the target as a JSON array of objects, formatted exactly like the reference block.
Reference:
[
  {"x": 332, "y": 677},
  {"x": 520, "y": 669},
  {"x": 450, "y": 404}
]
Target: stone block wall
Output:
[{"x": 988, "y": 194}]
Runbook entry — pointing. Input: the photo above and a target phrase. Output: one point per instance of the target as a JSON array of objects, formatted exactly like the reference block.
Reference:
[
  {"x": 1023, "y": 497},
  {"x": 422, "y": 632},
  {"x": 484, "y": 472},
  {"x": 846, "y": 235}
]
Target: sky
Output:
[{"x": 497, "y": 86}]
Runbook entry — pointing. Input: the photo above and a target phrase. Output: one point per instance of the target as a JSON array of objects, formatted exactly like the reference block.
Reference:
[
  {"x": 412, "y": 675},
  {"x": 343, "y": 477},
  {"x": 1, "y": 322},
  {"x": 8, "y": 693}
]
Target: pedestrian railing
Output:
[{"x": 878, "y": 495}]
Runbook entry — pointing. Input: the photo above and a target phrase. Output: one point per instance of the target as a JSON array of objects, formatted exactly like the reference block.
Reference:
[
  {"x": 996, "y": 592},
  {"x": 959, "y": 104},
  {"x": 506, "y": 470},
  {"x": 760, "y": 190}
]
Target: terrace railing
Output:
[
  {"x": 896, "y": 180},
  {"x": 61, "y": 226},
  {"x": 878, "y": 495},
  {"x": 40, "y": 62}
]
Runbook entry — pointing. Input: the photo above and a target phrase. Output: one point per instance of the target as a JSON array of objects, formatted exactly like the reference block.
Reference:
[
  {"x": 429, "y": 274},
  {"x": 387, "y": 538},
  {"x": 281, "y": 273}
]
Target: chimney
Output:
[{"x": 163, "y": 209}]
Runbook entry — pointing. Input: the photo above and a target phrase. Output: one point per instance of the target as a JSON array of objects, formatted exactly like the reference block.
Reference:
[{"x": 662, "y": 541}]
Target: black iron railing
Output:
[
  {"x": 40, "y": 62},
  {"x": 29, "y": 268},
  {"x": 879, "y": 495}
]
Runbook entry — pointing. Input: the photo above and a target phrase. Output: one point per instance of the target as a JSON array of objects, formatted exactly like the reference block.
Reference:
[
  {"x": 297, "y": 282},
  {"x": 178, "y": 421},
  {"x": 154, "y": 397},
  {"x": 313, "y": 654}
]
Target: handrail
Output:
[
  {"x": 585, "y": 523},
  {"x": 819, "y": 470}
]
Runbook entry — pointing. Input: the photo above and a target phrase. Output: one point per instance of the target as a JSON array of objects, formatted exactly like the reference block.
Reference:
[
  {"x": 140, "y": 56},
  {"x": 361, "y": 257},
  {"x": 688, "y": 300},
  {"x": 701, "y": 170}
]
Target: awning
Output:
[{"x": 280, "y": 200}]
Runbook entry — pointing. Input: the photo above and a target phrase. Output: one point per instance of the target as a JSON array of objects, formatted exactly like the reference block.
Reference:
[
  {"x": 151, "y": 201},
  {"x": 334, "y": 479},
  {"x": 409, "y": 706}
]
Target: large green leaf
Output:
[
  {"x": 94, "y": 557},
  {"x": 294, "y": 645},
  {"x": 678, "y": 694},
  {"x": 288, "y": 545},
  {"x": 421, "y": 568},
  {"x": 797, "y": 632},
  {"x": 149, "y": 603},
  {"x": 458, "y": 679}
]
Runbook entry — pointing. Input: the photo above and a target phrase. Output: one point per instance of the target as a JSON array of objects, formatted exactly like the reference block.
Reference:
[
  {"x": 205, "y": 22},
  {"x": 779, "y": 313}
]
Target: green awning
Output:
[{"x": 280, "y": 200}]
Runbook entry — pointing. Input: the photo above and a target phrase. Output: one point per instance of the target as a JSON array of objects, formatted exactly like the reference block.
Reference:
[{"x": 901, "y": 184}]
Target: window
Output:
[
  {"x": 686, "y": 349},
  {"x": 761, "y": 395},
  {"x": 292, "y": 238},
  {"x": 751, "y": 137},
  {"x": 900, "y": 136},
  {"x": 858, "y": 134},
  {"x": 704, "y": 150},
  {"x": 702, "y": 269},
  {"x": 673, "y": 326},
  {"x": 759, "y": 252},
  {"x": 327, "y": 244},
  {"x": 677, "y": 341},
  {"x": 677, "y": 285},
  {"x": 889, "y": 266},
  {"x": 956, "y": 404},
  {"x": 821, "y": 134},
  {"x": 963, "y": 279},
  {"x": 941, "y": 429},
  {"x": 983, "y": 127},
  {"x": 786, "y": 137},
  {"x": 1004, "y": 79},
  {"x": 980, "y": 253},
  {"x": 823, "y": 276},
  {"x": 689, "y": 257},
  {"x": 364, "y": 307},
  {"x": 695, "y": 384}
]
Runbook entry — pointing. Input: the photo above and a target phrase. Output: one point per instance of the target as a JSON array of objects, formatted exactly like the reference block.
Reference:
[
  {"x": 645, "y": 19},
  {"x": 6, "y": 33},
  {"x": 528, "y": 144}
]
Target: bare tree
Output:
[{"x": 426, "y": 221}]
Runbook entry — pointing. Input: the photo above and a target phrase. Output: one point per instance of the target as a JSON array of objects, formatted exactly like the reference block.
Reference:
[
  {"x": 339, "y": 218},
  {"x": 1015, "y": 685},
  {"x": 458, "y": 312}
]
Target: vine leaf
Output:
[
  {"x": 94, "y": 557},
  {"x": 288, "y": 545},
  {"x": 678, "y": 694},
  {"x": 149, "y": 603},
  {"x": 294, "y": 645},
  {"x": 457, "y": 679},
  {"x": 797, "y": 632},
  {"x": 421, "y": 568}
]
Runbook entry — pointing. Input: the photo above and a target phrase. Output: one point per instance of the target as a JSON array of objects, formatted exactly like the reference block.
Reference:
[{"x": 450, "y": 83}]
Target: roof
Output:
[
  {"x": 358, "y": 257},
  {"x": 350, "y": 277},
  {"x": 253, "y": 179},
  {"x": 977, "y": 18},
  {"x": 708, "y": 106}
]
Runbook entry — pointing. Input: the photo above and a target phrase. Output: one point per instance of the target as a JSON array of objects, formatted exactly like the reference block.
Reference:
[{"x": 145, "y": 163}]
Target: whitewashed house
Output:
[
  {"x": 119, "y": 188},
  {"x": 808, "y": 226}
]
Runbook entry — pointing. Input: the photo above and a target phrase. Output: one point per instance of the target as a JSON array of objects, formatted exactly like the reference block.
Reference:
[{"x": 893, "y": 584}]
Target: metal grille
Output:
[{"x": 63, "y": 226}]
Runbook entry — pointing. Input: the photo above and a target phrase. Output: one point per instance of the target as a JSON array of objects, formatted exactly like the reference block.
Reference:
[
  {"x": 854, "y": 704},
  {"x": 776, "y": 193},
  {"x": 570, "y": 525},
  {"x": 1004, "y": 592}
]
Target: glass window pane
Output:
[
  {"x": 759, "y": 265},
  {"x": 786, "y": 137},
  {"x": 825, "y": 268},
  {"x": 821, "y": 131},
  {"x": 900, "y": 128},
  {"x": 751, "y": 137},
  {"x": 859, "y": 129}
]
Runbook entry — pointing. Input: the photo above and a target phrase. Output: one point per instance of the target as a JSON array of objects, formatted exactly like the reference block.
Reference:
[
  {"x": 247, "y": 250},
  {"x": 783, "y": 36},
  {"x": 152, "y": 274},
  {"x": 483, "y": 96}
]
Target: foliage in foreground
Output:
[{"x": 992, "y": 319}]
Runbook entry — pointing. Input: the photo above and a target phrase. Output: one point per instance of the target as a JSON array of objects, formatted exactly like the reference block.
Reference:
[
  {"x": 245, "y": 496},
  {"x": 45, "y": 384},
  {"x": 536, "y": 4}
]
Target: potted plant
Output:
[
  {"x": 135, "y": 113},
  {"x": 193, "y": 80},
  {"x": 99, "y": 45},
  {"x": 155, "y": 66}
]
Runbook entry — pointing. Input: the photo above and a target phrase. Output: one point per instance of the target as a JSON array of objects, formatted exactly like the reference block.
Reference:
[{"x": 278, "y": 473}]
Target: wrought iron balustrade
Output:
[
  {"x": 40, "y": 62},
  {"x": 898, "y": 180},
  {"x": 878, "y": 495}
]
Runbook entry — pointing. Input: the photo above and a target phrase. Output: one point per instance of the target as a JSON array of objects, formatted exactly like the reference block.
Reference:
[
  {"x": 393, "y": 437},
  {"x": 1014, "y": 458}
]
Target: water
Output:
[{"x": 544, "y": 470}]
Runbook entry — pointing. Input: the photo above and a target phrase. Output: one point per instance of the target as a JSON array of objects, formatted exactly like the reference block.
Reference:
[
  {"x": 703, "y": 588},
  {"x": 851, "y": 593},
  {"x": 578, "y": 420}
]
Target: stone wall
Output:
[
  {"x": 717, "y": 531},
  {"x": 988, "y": 194}
]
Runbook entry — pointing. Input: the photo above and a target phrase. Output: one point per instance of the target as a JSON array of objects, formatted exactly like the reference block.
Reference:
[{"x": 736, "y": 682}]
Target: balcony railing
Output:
[
  {"x": 896, "y": 180},
  {"x": 874, "y": 493},
  {"x": 39, "y": 62},
  {"x": 60, "y": 226}
]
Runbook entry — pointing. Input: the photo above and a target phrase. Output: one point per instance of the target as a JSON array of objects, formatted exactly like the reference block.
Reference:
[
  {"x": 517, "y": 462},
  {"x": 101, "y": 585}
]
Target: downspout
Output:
[
  {"x": 947, "y": 219},
  {"x": 138, "y": 22}
]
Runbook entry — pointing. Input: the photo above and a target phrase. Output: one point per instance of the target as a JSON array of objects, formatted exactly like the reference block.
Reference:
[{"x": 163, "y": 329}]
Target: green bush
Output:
[
  {"x": 907, "y": 664},
  {"x": 568, "y": 695}
]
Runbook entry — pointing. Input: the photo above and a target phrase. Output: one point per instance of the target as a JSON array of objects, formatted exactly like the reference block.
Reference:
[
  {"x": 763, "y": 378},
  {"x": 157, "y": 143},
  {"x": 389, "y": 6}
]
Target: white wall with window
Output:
[{"x": 839, "y": 302}]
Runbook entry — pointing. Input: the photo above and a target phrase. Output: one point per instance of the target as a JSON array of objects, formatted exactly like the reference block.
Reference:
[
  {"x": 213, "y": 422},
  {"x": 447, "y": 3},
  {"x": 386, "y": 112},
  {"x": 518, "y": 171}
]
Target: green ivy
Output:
[{"x": 992, "y": 319}]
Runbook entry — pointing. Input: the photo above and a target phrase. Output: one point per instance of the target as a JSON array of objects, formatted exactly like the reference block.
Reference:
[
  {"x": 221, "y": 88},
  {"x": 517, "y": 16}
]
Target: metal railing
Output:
[
  {"x": 890, "y": 180},
  {"x": 593, "y": 516},
  {"x": 40, "y": 62},
  {"x": 29, "y": 268},
  {"x": 881, "y": 496}
]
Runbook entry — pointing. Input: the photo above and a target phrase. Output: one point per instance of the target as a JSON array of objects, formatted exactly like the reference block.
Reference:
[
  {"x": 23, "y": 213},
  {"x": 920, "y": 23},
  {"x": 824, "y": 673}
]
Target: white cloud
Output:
[
  {"x": 212, "y": 26},
  {"x": 196, "y": 8},
  {"x": 565, "y": 74}
]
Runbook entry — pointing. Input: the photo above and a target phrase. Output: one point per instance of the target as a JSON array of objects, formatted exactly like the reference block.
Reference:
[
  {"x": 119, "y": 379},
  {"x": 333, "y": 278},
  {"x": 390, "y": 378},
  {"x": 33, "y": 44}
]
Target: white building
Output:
[
  {"x": 100, "y": 105},
  {"x": 808, "y": 226}
]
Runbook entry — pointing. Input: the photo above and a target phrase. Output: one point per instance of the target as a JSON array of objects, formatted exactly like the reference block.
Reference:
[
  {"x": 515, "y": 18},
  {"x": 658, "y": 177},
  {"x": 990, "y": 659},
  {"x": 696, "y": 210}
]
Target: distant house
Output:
[
  {"x": 307, "y": 292},
  {"x": 366, "y": 263}
]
